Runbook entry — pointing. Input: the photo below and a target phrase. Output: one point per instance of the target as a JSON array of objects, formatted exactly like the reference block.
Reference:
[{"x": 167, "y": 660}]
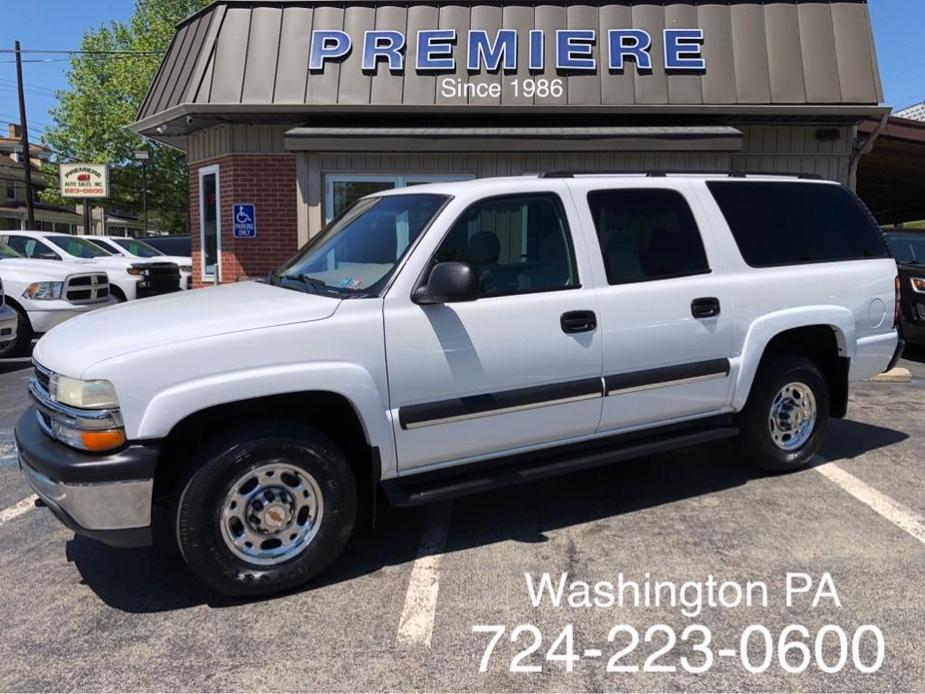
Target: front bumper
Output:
[
  {"x": 104, "y": 497},
  {"x": 53, "y": 313},
  {"x": 8, "y": 324}
]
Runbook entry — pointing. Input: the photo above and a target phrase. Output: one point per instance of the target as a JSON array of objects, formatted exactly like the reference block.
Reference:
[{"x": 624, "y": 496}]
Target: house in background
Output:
[{"x": 13, "y": 189}]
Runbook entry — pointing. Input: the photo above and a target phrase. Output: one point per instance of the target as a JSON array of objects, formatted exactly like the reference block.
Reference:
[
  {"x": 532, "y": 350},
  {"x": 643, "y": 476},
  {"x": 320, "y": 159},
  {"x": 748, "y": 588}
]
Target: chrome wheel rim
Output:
[
  {"x": 271, "y": 514},
  {"x": 793, "y": 416}
]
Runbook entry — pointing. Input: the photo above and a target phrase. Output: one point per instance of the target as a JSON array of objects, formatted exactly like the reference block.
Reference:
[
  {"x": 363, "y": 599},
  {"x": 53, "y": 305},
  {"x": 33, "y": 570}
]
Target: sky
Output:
[{"x": 59, "y": 24}]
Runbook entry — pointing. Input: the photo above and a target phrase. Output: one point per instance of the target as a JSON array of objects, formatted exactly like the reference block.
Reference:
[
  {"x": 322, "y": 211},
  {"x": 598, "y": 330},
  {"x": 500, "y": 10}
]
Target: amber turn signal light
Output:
[{"x": 102, "y": 440}]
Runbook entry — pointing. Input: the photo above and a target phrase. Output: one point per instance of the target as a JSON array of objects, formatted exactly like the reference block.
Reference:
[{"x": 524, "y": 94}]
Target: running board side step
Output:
[{"x": 426, "y": 488}]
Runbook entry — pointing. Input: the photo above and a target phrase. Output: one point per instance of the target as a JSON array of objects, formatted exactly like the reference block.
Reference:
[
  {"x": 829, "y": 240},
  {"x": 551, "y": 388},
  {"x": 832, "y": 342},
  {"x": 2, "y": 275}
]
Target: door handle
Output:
[
  {"x": 705, "y": 307},
  {"x": 578, "y": 322}
]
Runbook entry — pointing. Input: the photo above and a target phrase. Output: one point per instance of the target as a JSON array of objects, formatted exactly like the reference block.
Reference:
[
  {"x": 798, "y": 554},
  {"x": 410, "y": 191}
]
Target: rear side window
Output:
[
  {"x": 792, "y": 223},
  {"x": 646, "y": 235}
]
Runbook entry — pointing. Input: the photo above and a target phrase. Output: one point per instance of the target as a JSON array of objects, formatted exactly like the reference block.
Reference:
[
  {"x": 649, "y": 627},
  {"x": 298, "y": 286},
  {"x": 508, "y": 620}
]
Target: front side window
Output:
[
  {"x": 32, "y": 248},
  {"x": 77, "y": 246},
  {"x": 789, "y": 223},
  {"x": 137, "y": 248},
  {"x": 516, "y": 244},
  {"x": 357, "y": 253},
  {"x": 646, "y": 235}
]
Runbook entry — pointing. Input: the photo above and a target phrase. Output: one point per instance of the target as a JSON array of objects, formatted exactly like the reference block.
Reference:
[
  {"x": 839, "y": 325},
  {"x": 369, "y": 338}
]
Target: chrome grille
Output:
[
  {"x": 42, "y": 375},
  {"x": 87, "y": 289}
]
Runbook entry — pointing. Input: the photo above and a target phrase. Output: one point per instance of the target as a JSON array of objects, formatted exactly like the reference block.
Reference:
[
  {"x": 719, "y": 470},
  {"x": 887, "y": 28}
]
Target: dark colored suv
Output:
[
  {"x": 172, "y": 244},
  {"x": 909, "y": 249}
]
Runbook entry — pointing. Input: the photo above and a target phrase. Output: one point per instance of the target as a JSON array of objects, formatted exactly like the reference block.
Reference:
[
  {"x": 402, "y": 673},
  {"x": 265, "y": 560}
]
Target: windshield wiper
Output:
[{"x": 313, "y": 282}]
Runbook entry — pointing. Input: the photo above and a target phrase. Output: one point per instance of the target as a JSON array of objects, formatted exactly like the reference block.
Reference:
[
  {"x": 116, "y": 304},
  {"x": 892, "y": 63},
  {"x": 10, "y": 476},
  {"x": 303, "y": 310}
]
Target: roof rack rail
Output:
[{"x": 664, "y": 173}]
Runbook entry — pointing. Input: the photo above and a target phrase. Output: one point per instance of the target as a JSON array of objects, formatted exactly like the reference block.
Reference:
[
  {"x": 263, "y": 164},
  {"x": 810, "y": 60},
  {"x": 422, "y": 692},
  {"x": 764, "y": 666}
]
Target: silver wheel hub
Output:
[
  {"x": 792, "y": 419},
  {"x": 271, "y": 514}
]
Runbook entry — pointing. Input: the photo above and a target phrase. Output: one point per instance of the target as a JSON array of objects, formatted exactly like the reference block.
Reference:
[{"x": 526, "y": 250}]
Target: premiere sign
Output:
[
  {"x": 573, "y": 50},
  {"x": 84, "y": 180}
]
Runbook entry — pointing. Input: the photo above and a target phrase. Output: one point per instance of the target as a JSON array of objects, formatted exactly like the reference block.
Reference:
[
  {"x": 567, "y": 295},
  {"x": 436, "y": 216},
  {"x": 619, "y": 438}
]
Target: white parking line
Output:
[
  {"x": 899, "y": 515},
  {"x": 17, "y": 509},
  {"x": 417, "y": 618},
  {"x": 7, "y": 449}
]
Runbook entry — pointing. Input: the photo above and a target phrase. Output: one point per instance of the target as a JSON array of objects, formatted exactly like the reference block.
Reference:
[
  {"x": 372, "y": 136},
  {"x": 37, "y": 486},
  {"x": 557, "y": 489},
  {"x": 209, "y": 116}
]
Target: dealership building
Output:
[{"x": 289, "y": 111}]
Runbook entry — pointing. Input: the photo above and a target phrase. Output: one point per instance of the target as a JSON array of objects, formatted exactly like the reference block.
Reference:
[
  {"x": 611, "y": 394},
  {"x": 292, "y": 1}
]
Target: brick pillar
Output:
[{"x": 269, "y": 182}]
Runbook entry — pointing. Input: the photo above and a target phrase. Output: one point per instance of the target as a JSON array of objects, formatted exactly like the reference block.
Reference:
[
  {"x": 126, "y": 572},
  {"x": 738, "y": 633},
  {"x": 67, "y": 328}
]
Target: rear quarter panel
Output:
[{"x": 855, "y": 298}]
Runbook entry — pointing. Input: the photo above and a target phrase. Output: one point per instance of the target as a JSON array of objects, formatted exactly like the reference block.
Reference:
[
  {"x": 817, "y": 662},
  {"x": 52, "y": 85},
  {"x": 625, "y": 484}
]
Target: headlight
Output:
[
  {"x": 186, "y": 268},
  {"x": 918, "y": 284},
  {"x": 91, "y": 395},
  {"x": 136, "y": 270},
  {"x": 44, "y": 290}
]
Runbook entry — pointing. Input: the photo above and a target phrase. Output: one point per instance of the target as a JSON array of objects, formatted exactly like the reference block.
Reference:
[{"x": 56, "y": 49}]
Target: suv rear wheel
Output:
[
  {"x": 265, "y": 509},
  {"x": 784, "y": 423}
]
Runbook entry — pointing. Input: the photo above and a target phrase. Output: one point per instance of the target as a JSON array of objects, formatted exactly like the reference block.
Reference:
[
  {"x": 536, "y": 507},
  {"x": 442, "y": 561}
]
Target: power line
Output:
[
  {"x": 40, "y": 60},
  {"x": 68, "y": 51}
]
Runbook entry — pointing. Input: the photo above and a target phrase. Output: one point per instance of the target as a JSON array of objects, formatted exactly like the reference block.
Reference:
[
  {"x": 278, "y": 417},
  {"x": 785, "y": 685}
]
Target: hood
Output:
[
  {"x": 37, "y": 270},
  {"x": 79, "y": 343}
]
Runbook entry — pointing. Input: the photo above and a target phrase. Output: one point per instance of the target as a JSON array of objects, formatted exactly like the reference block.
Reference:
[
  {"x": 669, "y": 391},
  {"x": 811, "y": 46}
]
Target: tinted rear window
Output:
[{"x": 793, "y": 223}]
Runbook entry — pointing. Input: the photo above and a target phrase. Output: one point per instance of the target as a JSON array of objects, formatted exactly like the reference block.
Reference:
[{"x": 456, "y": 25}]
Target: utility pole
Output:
[
  {"x": 26, "y": 153},
  {"x": 143, "y": 155}
]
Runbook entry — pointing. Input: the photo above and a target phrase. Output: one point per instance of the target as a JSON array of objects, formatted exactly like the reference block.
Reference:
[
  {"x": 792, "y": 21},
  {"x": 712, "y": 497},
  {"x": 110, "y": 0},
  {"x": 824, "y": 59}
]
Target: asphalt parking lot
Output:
[{"x": 398, "y": 611}]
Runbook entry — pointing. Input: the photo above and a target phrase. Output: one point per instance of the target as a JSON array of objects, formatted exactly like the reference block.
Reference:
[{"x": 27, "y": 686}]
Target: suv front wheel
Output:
[
  {"x": 265, "y": 509},
  {"x": 784, "y": 423}
]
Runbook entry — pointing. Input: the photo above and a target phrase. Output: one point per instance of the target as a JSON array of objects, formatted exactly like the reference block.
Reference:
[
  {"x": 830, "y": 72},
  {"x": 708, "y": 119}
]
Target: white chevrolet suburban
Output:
[
  {"x": 40, "y": 294},
  {"x": 128, "y": 279},
  {"x": 445, "y": 339}
]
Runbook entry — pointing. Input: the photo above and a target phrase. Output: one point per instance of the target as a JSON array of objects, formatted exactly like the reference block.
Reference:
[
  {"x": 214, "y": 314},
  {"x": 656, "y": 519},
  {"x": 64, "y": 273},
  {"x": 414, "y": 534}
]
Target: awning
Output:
[
  {"x": 253, "y": 61},
  {"x": 514, "y": 139},
  {"x": 891, "y": 179}
]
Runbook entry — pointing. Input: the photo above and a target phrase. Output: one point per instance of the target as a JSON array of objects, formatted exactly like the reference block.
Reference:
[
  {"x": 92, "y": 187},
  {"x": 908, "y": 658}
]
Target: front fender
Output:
[
  {"x": 173, "y": 404},
  {"x": 764, "y": 329}
]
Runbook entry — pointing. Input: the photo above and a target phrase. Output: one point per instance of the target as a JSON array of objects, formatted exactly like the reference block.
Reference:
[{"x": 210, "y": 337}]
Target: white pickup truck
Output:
[
  {"x": 40, "y": 294},
  {"x": 451, "y": 338},
  {"x": 138, "y": 251},
  {"x": 128, "y": 279}
]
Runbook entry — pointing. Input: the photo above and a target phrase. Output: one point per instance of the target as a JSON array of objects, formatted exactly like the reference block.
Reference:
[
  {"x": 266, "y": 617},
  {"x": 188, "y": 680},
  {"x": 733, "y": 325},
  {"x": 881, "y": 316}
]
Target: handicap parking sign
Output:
[{"x": 244, "y": 218}]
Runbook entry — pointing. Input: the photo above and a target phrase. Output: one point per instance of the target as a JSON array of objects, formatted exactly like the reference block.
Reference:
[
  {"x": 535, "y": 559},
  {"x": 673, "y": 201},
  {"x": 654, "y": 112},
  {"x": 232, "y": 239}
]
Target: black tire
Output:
[
  {"x": 20, "y": 346},
  {"x": 755, "y": 441},
  {"x": 228, "y": 457},
  {"x": 117, "y": 294}
]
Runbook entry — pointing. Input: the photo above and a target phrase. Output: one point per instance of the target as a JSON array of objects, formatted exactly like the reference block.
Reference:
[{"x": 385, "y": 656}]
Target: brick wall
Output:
[{"x": 269, "y": 182}]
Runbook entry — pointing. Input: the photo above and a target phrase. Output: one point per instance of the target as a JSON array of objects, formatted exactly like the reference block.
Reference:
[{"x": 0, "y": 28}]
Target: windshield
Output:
[
  {"x": 77, "y": 247},
  {"x": 7, "y": 252},
  {"x": 907, "y": 249},
  {"x": 137, "y": 248},
  {"x": 357, "y": 253}
]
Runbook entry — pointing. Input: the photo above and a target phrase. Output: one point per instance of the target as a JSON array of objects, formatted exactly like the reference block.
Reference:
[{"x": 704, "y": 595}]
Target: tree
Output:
[{"x": 92, "y": 117}]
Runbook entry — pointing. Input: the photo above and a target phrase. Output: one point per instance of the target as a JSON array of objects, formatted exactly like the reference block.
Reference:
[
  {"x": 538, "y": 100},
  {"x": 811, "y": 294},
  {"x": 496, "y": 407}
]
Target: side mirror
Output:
[{"x": 448, "y": 283}]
